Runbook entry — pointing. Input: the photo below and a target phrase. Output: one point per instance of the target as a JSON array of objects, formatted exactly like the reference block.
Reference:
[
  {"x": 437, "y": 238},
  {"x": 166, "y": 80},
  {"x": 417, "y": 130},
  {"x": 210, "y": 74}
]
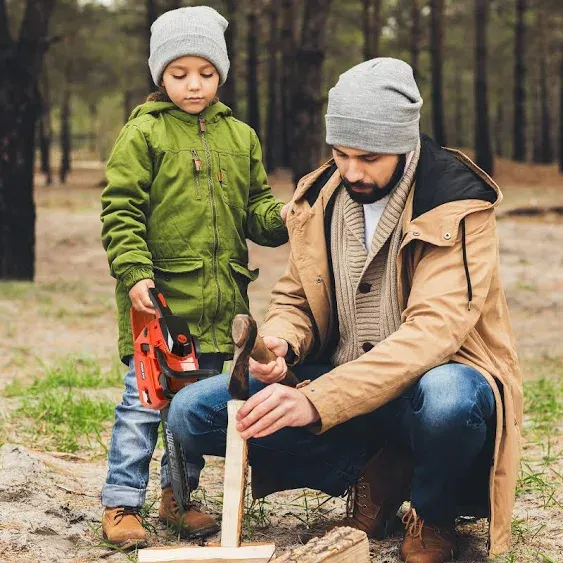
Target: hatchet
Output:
[{"x": 248, "y": 344}]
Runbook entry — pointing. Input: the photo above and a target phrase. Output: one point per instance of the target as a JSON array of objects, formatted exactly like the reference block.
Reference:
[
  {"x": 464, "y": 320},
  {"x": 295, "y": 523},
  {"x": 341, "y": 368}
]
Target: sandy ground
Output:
[{"x": 49, "y": 503}]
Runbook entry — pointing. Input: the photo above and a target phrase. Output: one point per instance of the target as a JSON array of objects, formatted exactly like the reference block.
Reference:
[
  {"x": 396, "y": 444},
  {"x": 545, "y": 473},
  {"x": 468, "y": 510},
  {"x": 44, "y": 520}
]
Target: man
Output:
[{"x": 392, "y": 313}]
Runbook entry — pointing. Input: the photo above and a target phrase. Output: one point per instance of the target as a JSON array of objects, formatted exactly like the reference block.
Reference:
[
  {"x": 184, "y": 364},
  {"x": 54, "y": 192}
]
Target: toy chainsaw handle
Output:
[
  {"x": 172, "y": 373},
  {"x": 159, "y": 303}
]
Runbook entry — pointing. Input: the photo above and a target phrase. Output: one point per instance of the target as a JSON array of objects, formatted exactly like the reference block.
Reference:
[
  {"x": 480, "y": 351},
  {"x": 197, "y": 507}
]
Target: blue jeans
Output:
[
  {"x": 442, "y": 419},
  {"x": 133, "y": 440}
]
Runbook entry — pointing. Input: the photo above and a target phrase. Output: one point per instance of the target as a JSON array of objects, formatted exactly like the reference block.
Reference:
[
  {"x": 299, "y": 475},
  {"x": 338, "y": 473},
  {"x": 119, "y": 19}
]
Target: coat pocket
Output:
[
  {"x": 181, "y": 282},
  {"x": 241, "y": 276},
  {"x": 234, "y": 179}
]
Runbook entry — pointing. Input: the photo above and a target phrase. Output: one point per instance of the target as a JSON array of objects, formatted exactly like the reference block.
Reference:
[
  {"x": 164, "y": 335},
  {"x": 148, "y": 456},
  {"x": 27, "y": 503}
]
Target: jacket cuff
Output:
[
  {"x": 328, "y": 417},
  {"x": 136, "y": 274}
]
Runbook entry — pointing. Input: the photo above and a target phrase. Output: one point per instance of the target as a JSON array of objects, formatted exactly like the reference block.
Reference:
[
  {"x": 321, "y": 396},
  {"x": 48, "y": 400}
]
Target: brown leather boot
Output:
[
  {"x": 380, "y": 490},
  {"x": 123, "y": 526},
  {"x": 425, "y": 543},
  {"x": 193, "y": 523}
]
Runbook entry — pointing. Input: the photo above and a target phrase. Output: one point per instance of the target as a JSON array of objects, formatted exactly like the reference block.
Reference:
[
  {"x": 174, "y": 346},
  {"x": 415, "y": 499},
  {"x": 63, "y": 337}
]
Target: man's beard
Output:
[{"x": 376, "y": 193}]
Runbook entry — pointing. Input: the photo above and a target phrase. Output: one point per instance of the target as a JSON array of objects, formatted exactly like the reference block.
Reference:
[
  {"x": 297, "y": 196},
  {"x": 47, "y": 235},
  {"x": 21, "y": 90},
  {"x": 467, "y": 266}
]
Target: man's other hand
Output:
[
  {"x": 272, "y": 409},
  {"x": 276, "y": 370}
]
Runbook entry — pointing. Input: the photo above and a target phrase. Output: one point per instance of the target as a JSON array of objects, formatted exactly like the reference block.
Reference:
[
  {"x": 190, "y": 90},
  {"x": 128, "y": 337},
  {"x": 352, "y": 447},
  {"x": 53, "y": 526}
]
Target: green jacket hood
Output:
[{"x": 158, "y": 103}]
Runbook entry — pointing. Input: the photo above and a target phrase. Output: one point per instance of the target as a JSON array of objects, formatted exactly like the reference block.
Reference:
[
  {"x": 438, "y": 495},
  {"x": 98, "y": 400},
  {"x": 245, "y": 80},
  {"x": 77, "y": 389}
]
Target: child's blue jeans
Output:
[
  {"x": 133, "y": 440},
  {"x": 443, "y": 419}
]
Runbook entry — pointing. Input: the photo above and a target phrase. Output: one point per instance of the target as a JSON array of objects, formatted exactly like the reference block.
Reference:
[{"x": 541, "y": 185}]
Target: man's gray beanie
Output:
[
  {"x": 375, "y": 107},
  {"x": 198, "y": 31}
]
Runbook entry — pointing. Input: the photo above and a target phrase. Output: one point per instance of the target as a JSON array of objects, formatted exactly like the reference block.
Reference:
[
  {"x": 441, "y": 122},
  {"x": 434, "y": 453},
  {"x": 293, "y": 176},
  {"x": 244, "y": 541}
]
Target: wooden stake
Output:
[
  {"x": 216, "y": 554},
  {"x": 236, "y": 468}
]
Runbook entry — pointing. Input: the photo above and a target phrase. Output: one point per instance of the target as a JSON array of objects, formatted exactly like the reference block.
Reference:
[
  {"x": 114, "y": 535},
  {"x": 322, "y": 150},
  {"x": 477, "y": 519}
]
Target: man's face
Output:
[
  {"x": 191, "y": 83},
  {"x": 368, "y": 177}
]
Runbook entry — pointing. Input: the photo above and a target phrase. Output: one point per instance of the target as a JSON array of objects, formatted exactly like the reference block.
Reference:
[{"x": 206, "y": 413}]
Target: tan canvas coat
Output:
[{"x": 437, "y": 324}]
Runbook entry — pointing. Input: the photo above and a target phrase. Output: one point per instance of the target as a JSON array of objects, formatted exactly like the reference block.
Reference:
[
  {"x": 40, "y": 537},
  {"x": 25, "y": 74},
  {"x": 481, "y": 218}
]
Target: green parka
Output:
[{"x": 184, "y": 193}]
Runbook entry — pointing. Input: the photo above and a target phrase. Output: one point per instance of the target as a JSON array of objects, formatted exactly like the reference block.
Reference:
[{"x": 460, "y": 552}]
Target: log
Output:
[{"x": 340, "y": 545}]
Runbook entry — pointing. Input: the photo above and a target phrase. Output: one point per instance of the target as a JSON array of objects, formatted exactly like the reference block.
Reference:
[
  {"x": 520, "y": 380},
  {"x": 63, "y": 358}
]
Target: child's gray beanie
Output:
[
  {"x": 375, "y": 107},
  {"x": 197, "y": 31}
]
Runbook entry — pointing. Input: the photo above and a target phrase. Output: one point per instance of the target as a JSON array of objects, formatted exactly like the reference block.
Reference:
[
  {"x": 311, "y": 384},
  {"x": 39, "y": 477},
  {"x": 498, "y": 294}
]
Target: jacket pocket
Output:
[
  {"x": 241, "y": 277},
  {"x": 234, "y": 179},
  {"x": 181, "y": 282}
]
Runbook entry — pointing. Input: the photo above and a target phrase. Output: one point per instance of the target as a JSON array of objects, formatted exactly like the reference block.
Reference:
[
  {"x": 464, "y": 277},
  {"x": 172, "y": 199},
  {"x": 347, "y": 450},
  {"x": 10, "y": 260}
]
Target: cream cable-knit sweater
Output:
[{"x": 366, "y": 282}]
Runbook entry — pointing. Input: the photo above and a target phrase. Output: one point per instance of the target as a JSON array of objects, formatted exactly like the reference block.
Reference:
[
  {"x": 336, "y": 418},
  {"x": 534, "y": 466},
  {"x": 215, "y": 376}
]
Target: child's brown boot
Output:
[
  {"x": 193, "y": 523},
  {"x": 123, "y": 526}
]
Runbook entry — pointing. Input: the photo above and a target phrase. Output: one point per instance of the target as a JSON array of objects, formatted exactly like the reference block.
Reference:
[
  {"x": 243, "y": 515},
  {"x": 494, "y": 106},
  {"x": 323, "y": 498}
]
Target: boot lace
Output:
[
  {"x": 413, "y": 524},
  {"x": 127, "y": 511}
]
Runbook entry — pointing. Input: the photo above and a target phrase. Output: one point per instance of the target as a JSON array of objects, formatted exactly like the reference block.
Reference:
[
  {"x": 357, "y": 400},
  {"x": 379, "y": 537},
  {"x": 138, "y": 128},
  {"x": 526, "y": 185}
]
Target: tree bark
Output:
[
  {"x": 483, "y": 151},
  {"x": 415, "y": 37},
  {"x": 288, "y": 54},
  {"x": 151, "y": 15},
  {"x": 273, "y": 140},
  {"x": 45, "y": 130},
  {"x": 371, "y": 28},
  {"x": 436, "y": 54},
  {"x": 519, "y": 123},
  {"x": 307, "y": 99},
  {"x": 253, "y": 107},
  {"x": 19, "y": 110},
  {"x": 65, "y": 132},
  {"x": 228, "y": 90}
]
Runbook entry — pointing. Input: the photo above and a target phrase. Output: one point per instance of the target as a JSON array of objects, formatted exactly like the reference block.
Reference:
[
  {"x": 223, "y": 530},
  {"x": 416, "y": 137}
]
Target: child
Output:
[{"x": 186, "y": 188}]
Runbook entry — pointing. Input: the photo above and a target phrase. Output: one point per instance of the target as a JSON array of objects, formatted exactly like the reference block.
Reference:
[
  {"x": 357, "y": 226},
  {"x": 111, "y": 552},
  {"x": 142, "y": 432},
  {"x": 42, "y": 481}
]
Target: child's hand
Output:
[
  {"x": 276, "y": 370},
  {"x": 284, "y": 211},
  {"x": 139, "y": 295}
]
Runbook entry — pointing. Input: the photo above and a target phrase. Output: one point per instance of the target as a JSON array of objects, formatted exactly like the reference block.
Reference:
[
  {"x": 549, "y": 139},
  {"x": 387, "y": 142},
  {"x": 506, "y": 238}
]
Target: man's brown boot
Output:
[
  {"x": 380, "y": 490},
  {"x": 425, "y": 543},
  {"x": 123, "y": 526},
  {"x": 193, "y": 523}
]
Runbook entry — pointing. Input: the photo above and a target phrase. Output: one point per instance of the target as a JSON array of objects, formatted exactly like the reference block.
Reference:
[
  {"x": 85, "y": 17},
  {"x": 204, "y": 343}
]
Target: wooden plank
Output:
[
  {"x": 236, "y": 469},
  {"x": 259, "y": 553},
  {"x": 340, "y": 545}
]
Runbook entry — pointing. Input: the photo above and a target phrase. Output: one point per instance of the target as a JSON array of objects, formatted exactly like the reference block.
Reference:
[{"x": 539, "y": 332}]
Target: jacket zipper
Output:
[
  {"x": 202, "y": 130},
  {"x": 197, "y": 170}
]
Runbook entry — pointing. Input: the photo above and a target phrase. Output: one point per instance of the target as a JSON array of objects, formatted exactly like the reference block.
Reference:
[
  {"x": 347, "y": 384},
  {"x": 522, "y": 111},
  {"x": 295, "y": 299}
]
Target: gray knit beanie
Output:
[
  {"x": 197, "y": 31},
  {"x": 375, "y": 107}
]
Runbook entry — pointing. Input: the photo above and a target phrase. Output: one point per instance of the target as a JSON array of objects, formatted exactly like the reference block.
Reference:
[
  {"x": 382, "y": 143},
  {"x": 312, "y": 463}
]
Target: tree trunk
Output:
[
  {"x": 561, "y": 113},
  {"x": 519, "y": 124},
  {"x": 436, "y": 50},
  {"x": 228, "y": 90},
  {"x": 459, "y": 137},
  {"x": 253, "y": 108},
  {"x": 307, "y": 99},
  {"x": 371, "y": 27},
  {"x": 546, "y": 144},
  {"x": 273, "y": 140},
  {"x": 499, "y": 130},
  {"x": 19, "y": 109},
  {"x": 151, "y": 15},
  {"x": 288, "y": 52},
  {"x": 483, "y": 151},
  {"x": 45, "y": 130},
  {"x": 65, "y": 132},
  {"x": 93, "y": 141},
  {"x": 415, "y": 37}
]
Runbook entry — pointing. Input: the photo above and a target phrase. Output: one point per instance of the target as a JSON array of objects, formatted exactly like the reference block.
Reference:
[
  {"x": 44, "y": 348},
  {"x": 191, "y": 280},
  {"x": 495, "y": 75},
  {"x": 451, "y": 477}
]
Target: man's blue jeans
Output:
[
  {"x": 442, "y": 419},
  {"x": 133, "y": 440}
]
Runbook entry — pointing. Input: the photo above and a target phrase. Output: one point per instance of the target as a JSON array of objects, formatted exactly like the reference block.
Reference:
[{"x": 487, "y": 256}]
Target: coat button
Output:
[
  {"x": 447, "y": 236},
  {"x": 367, "y": 346},
  {"x": 293, "y": 211},
  {"x": 416, "y": 234},
  {"x": 319, "y": 279},
  {"x": 364, "y": 287}
]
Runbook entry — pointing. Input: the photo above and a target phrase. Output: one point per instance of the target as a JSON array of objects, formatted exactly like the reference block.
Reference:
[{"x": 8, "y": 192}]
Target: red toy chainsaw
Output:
[{"x": 166, "y": 360}]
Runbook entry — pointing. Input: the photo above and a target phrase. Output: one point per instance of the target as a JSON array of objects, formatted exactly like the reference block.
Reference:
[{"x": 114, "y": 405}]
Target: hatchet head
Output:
[{"x": 244, "y": 337}]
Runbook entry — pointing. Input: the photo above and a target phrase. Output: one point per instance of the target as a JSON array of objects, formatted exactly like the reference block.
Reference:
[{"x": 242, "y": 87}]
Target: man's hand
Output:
[
  {"x": 276, "y": 370},
  {"x": 272, "y": 409},
  {"x": 284, "y": 211},
  {"x": 139, "y": 295}
]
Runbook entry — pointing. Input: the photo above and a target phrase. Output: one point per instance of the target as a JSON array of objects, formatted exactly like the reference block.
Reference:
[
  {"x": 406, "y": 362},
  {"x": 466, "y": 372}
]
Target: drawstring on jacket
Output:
[{"x": 466, "y": 266}]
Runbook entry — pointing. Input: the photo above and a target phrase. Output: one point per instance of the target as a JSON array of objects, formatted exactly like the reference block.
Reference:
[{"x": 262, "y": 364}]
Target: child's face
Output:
[{"x": 191, "y": 83}]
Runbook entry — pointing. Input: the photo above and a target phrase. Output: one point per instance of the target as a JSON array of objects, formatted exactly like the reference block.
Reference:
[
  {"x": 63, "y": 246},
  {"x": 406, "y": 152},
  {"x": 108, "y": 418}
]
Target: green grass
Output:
[{"x": 57, "y": 410}]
